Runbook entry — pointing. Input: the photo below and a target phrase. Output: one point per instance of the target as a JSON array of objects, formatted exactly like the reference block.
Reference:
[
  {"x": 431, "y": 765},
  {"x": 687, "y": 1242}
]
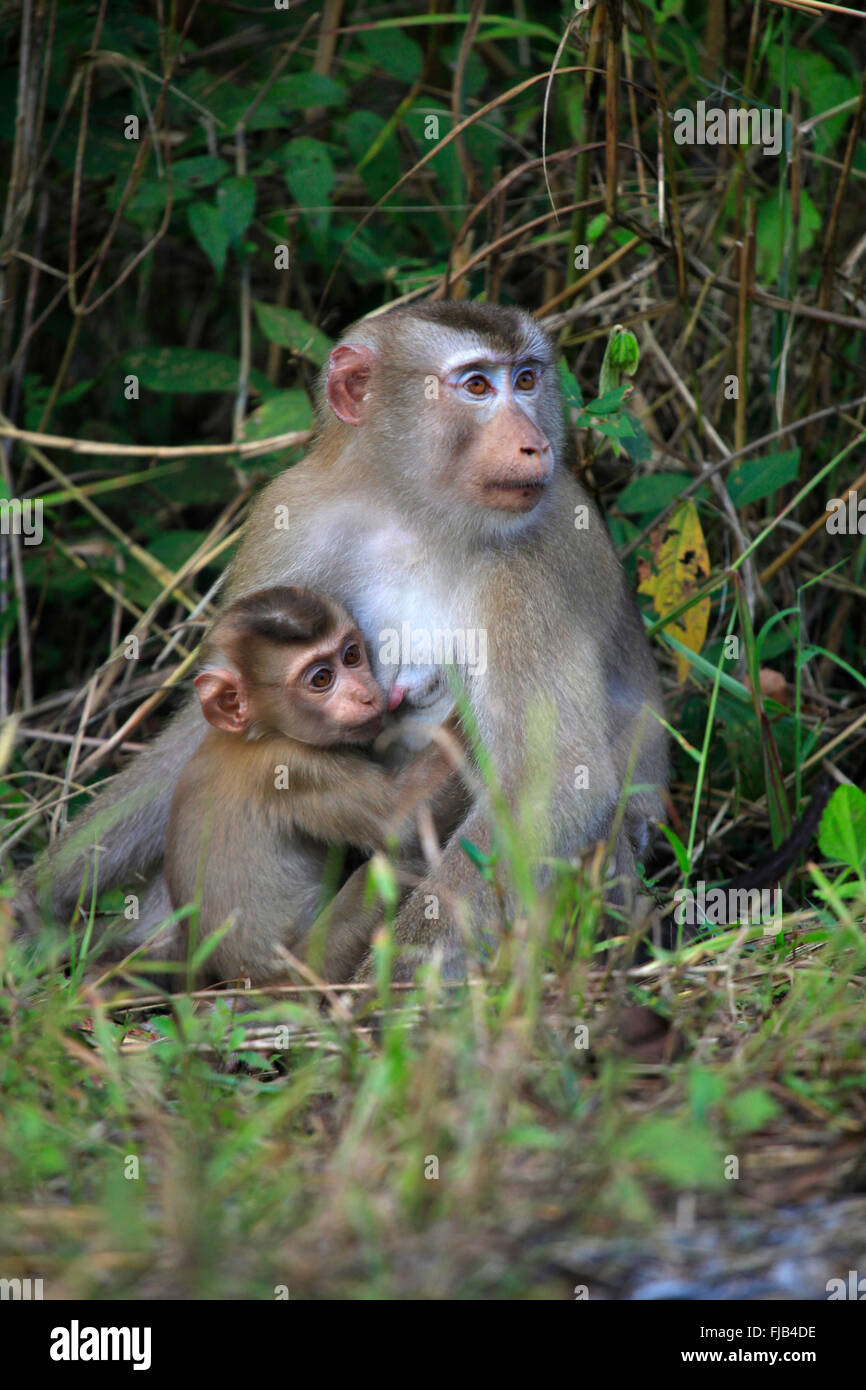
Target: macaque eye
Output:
[
  {"x": 526, "y": 380},
  {"x": 319, "y": 678},
  {"x": 476, "y": 384},
  {"x": 352, "y": 655}
]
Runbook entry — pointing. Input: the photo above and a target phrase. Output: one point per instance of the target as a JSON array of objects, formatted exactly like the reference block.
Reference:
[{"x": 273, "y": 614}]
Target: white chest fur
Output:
[{"x": 412, "y": 616}]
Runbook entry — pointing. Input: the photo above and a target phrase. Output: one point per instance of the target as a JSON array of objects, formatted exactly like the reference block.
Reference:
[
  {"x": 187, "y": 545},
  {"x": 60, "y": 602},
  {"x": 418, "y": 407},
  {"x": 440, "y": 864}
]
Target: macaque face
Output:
[
  {"x": 473, "y": 398},
  {"x": 330, "y": 694},
  {"x": 321, "y": 693},
  {"x": 506, "y": 459}
]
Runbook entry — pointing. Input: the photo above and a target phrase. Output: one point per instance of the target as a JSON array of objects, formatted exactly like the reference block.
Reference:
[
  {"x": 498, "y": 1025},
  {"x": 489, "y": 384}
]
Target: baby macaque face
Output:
[{"x": 296, "y": 665}]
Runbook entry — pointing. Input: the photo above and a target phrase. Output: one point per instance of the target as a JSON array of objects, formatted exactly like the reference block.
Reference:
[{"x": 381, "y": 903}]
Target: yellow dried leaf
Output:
[{"x": 680, "y": 566}]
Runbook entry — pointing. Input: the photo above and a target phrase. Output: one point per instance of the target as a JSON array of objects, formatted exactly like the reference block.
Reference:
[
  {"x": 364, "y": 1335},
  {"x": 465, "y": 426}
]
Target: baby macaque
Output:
[{"x": 281, "y": 777}]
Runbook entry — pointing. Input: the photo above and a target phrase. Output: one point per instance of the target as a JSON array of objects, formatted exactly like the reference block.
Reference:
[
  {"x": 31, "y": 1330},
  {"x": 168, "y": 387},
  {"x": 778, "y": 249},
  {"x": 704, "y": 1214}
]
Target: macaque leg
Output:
[
  {"x": 340, "y": 937},
  {"x": 341, "y": 934},
  {"x": 162, "y": 946},
  {"x": 455, "y": 911}
]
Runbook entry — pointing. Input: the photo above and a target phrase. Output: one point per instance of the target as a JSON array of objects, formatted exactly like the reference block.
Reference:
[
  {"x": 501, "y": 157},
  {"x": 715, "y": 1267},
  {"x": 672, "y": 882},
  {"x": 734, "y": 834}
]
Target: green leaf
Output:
[
  {"x": 774, "y": 228},
  {"x": 200, "y": 170},
  {"x": 750, "y": 480},
  {"x": 364, "y": 131},
  {"x": 231, "y": 102},
  {"x": 301, "y": 90},
  {"x": 309, "y": 171},
  {"x": 608, "y": 401},
  {"x": 706, "y": 1089},
  {"x": 637, "y": 445},
  {"x": 751, "y": 1110},
  {"x": 823, "y": 85},
  {"x": 682, "y": 1153},
  {"x": 74, "y": 393},
  {"x": 616, "y": 426},
  {"x": 288, "y": 328},
  {"x": 209, "y": 230},
  {"x": 570, "y": 387},
  {"x": 283, "y": 412},
  {"x": 392, "y": 51},
  {"x": 842, "y": 834},
  {"x": 236, "y": 200},
  {"x": 151, "y": 196},
  {"x": 187, "y": 369},
  {"x": 679, "y": 849}
]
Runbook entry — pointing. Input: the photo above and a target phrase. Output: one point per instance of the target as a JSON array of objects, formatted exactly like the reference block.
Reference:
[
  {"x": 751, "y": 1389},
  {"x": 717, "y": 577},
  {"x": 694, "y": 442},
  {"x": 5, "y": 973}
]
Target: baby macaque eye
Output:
[
  {"x": 320, "y": 678},
  {"x": 352, "y": 655},
  {"x": 525, "y": 380}
]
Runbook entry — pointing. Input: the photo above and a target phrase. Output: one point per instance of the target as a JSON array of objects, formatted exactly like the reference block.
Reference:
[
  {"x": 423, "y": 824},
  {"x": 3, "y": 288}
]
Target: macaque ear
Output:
[
  {"x": 224, "y": 701},
  {"x": 348, "y": 380}
]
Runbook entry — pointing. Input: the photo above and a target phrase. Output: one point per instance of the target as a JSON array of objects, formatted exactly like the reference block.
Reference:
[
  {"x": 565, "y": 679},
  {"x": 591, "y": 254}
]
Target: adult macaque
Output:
[
  {"x": 279, "y": 777},
  {"x": 437, "y": 500}
]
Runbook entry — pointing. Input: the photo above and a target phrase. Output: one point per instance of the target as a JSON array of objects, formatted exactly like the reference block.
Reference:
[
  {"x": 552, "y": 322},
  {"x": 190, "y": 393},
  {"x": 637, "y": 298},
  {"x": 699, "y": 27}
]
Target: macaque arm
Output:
[
  {"x": 430, "y": 773},
  {"x": 352, "y": 801},
  {"x": 356, "y": 802}
]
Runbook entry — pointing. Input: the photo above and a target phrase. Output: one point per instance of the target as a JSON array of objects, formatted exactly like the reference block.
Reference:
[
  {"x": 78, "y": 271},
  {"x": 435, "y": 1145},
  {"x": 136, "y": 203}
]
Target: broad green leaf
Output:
[
  {"x": 199, "y": 171},
  {"x": 750, "y": 480},
  {"x": 288, "y": 328},
  {"x": 774, "y": 227},
  {"x": 842, "y": 834},
  {"x": 751, "y": 1110},
  {"x": 187, "y": 369},
  {"x": 706, "y": 1089},
  {"x": 649, "y": 495},
  {"x": 393, "y": 52},
  {"x": 607, "y": 403},
  {"x": 570, "y": 387},
  {"x": 233, "y": 102},
  {"x": 151, "y": 196},
  {"x": 304, "y": 89},
  {"x": 284, "y": 412},
  {"x": 287, "y": 410},
  {"x": 616, "y": 426},
  {"x": 207, "y": 226},
  {"x": 309, "y": 171},
  {"x": 365, "y": 133},
  {"x": 684, "y": 1153},
  {"x": 637, "y": 445},
  {"x": 823, "y": 84},
  {"x": 236, "y": 200}
]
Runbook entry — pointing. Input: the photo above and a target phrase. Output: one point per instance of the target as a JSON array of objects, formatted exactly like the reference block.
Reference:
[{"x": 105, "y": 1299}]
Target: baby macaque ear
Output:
[{"x": 224, "y": 701}]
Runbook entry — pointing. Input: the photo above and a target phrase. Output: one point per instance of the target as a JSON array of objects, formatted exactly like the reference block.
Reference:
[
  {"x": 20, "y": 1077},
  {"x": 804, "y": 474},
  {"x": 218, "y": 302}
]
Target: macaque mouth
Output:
[
  {"x": 516, "y": 485},
  {"x": 369, "y": 728},
  {"x": 516, "y": 494}
]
